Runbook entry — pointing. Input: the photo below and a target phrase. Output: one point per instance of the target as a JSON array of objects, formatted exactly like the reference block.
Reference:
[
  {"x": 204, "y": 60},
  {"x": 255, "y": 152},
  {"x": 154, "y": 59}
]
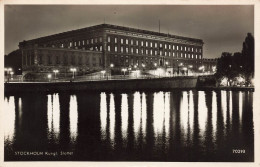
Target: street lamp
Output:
[
  {"x": 103, "y": 73},
  {"x": 124, "y": 70},
  {"x": 112, "y": 65},
  {"x": 12, "y": 73},
  {"x": 185, "y": 70},
  {"x": 73, "y": 70},
  {"x": 49, "y": 77},
  {"x": 55, "y": 72}
]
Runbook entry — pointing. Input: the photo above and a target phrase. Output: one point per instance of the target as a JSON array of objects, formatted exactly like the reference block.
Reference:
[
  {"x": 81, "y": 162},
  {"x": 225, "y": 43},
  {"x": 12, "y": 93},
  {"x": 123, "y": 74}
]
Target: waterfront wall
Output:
[{"x": 106, "y": 85}]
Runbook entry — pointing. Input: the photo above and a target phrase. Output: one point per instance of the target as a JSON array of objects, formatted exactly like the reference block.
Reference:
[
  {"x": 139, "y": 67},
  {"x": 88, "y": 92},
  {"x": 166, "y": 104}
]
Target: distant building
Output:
[
  {"x": 109, "y": 46},
  {"x": 210, "y": 65}
]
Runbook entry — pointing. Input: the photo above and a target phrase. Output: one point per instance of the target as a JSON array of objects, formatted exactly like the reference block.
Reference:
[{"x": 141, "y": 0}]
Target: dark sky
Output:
[{"x": 222, "y": 28}]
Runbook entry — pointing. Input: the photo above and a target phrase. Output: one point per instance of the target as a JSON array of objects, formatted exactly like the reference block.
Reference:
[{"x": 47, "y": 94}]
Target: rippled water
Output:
[{"x": 133, "y": 126}]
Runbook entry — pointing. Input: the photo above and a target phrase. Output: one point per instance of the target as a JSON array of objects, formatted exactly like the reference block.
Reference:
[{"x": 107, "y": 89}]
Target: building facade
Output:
[{"x": 106, "y": 46}]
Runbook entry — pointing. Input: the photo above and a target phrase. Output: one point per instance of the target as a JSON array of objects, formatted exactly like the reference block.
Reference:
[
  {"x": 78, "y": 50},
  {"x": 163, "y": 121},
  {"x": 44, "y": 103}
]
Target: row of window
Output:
[
  {"x": 126, "y": 61},
  {"x": 155, "y": 52},
  {"x": 155, "y": 44},
  {"x": 137, "y": 42},
  {"x": 28, "y": 60}
]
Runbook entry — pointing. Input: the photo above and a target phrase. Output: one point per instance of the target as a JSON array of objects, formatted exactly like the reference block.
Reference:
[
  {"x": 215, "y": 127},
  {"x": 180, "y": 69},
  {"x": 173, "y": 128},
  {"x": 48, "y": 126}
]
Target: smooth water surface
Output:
[{"x": 133, "y": 126}]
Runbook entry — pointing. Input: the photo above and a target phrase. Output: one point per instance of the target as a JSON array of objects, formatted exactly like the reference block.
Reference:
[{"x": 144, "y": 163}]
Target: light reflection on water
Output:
[
  {"x": 135, "y": 125},
  {"x": 9, "y": 120}
]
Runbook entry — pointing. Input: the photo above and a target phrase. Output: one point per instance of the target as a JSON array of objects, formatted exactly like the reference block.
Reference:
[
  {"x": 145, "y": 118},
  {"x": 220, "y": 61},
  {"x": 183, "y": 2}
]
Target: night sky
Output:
[{"x": 222, "y": 28}]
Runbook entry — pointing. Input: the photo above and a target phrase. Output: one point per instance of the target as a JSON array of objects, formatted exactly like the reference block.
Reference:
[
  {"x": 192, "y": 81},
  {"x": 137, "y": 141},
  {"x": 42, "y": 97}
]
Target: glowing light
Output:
[
  {"x": 214, "y": 115},
  {"x": 158, "y": 114},
  {"x": 73, "y": 118},
  {"x": 9, "y": 121},
  {"x": 202, "y": 112},
  {"x": 224, "y": 81},
  {"x": 49, "y": 76},
  {"x": 124, "y": 116},
  {"x": 240, "y": 107},
  {"x": 137, "y": 114},
  {"x": 111, "y": 65},
  {"x": 224, "y": 104},
  {"x": 53, "y": 114},
  {"x": 103, "y": 115},
  {"x": 184, "y": 114},
  {"x": 112, "y": 120},
  {"x": 144, "y": 114}
]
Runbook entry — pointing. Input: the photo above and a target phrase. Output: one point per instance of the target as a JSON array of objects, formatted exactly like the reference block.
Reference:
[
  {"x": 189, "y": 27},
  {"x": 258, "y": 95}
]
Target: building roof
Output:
[{"x": 110, "y": 26}]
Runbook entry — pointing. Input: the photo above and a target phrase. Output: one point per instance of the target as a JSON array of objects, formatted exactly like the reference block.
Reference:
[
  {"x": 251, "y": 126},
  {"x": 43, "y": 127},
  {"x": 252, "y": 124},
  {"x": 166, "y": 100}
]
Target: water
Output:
[{"x": 131, "y": 126}]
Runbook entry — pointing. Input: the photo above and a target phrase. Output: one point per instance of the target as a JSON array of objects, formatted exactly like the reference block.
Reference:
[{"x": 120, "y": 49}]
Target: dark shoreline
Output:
[{"x": 159, "y": 84}]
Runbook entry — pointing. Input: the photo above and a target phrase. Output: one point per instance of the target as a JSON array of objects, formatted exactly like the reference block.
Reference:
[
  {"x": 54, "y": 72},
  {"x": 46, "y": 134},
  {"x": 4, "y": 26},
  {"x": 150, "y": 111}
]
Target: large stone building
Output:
[{"x": 105, "y": 46}]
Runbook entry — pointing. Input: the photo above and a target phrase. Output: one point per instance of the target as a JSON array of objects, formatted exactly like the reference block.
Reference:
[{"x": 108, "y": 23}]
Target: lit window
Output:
[
  {"x": 115, "y": 40},
  {"x": 173, "y": 54},
  {"x": 132, "y": 50},
  {"x": 137, "y": 51},
  {"x": 126, "y": 41},
  {"x": 136, "y": 42},
  {"x": 75, "y": 43},
  {"x": 83, "y": 42},
  {"x": 151, "y": 44},
  {"x": 115, "y": 48},
  {"x": 142, "y": 43},
  {"x": 196, "y": 50},
  {"x": 151, "y": 52},
  {"x": 122, "y": 41},
  {"x": 188, "y": 55},
  {"x": 160, "y": 45},
  {"x": 165, "y": 53},
  {"x": 132, "y": 42},
  {"x": 160, "y": 52},
  {"x": 62, "y": 45},
  {"x": 142, "y": 51},
  {"x": 100, "y": 48},
  {"x": 192, "y": 56},
  {"x": 156, "y": 52},
  {"x": 79, "y": 43},
  {"x": 108, "y": 48},
  {"x": 70, "y": 44},
  {"x": 169, "y": 46},
  {"x": 126, "y": 50},
  {"x": 177, "y": 47},
  {"x": 185, "y": 48},
  {"x": 108, "y": 39},
  {"x": 146, "y": 43},
  {"x": 165, "y": 46},
  {"x": 122, "y": 49},
  {"x": 181, "y": 54},
  {"x": 156, "y": 44},
  {"x": 196, "y": 56},
  {"x": 200, "y": 56},
  {"x": 185, "y": 54},
  {"x": 146, "y": 51},
  {"x": 173, "y": 47},
  {"x": 181, "y": 47},
  {"x": 169, "y": 54},
  {"x": 192, "y": 49}
]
